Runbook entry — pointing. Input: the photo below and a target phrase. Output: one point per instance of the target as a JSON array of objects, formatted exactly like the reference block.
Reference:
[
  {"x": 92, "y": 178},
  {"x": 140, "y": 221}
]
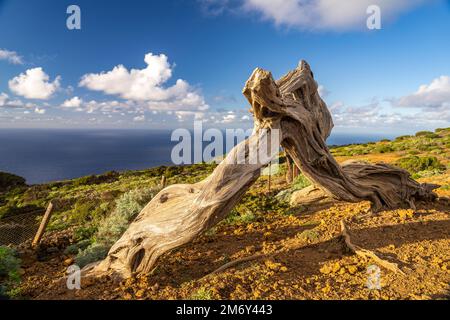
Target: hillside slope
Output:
[{"x": 300, "y": 249}]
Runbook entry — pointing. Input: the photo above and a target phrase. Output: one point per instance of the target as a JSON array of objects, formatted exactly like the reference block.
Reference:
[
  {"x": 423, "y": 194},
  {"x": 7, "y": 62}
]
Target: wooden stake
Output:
[
  {"x": 43, "y": 225},
  {"x": 163, "y": 181}
]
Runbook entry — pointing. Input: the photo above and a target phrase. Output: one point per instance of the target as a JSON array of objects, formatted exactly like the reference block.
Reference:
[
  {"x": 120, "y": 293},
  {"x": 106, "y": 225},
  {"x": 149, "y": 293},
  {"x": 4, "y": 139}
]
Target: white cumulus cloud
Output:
[
  {"x": 34, "y": 84},
  {"x": 75, "y": 102},
  {"x": 10, "y": 56},
  {"x": 147, "y": 85}
]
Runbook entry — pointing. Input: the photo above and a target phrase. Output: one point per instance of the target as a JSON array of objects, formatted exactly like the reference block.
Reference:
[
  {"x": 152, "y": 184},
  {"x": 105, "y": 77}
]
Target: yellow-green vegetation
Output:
[
  {"x": 9, "y": 271},
  {"x": 421, "y": 166},
  {"x": 426, "y": 155},
  {"x": 110, "y": 228},
  {"x": 423, "y": 142},
  {"x": 202, "y": 294},
  {"x": 8, "y": 181}
]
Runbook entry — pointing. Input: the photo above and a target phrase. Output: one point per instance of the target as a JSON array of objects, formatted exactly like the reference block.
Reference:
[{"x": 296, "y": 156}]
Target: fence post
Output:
[
  {"x": 43, "y": 225},
  {"x": 163, "y": 182}
]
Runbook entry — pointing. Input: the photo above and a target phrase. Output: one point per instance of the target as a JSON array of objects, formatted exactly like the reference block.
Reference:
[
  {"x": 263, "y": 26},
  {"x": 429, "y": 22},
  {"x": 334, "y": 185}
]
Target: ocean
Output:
[{"x": 44, "y": 155}]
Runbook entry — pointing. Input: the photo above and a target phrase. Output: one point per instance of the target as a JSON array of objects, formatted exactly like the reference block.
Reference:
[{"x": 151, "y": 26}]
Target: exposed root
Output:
[
  {"x": 367, "y": 254},
  {"x": 239, "y": 261}
]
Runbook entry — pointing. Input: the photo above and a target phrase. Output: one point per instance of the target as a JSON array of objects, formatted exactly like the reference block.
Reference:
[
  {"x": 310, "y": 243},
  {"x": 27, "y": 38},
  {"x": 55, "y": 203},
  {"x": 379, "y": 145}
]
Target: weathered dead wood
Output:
[
  {"x": 367, "y": 254},
  {"x": 292, "y": 105}
]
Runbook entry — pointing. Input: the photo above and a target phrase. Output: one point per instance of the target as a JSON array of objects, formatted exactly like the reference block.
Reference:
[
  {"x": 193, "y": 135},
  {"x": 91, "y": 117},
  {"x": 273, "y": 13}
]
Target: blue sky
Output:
[{"x": 395, "y": 79}]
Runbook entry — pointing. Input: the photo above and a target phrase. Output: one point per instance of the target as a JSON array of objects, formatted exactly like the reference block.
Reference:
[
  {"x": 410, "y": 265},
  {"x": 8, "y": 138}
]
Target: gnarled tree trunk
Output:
[{"x": 292, "y": 105}]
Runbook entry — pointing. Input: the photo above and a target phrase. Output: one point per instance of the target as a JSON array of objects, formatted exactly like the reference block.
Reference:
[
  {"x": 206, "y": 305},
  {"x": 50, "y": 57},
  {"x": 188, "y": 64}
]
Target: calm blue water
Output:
[{"x": 43, "y": 155}]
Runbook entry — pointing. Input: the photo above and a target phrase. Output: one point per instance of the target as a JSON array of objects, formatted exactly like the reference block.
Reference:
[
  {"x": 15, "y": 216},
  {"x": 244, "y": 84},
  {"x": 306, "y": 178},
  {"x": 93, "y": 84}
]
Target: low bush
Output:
[
  {"x": 111, "y": 228},
  {"x": 9, "y": 181},
  {"x": 401, "y": 138},
  {"x": 427, "y": 134},
  {"x": 107, "y": 177},
  {"x": 442, "y": 130},
  {"x": 9, "y": 271},
  {"x": 426, "y": 173},
  {"x": 415, "y": 164},
  {"x": 383, "y": 149}
]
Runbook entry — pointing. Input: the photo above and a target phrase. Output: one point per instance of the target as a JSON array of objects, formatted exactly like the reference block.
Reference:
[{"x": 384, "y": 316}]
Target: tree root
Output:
[
  {"x": 239, "y": 261},
  {"x": 367, "y": 254}
]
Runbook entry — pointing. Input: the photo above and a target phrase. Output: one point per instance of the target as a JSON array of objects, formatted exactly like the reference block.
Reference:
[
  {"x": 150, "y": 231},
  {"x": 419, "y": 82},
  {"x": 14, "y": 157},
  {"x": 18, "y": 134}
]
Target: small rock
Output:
[
  {"x": 352, "y": 269},
  {"x": 139, "y": 293}
]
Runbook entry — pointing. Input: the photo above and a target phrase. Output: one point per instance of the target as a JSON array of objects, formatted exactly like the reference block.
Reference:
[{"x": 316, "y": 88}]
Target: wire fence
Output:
[{"x": 18, "y": 229}]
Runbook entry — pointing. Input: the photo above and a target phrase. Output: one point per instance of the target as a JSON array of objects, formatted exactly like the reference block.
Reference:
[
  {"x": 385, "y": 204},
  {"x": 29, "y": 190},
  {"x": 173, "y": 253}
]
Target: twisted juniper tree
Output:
[{"x": 293, "y": 107}]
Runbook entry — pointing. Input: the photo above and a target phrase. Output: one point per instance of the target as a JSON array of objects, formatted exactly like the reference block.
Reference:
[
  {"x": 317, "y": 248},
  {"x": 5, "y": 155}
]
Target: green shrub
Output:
[
  {"x": 383, "y": 149},
  {"x": 426, "y": 173},
  {"x": 107, "y": 177},
  {"x": 442, "y": 130},
  {"x": 94, "y": 252},
  {"x": 111, "y": 228},
  {"x": 423, "y": 133},
  {"x": 9, "y": 181},
  {"x": 9, "y": 271},
  {"x": 85, "y": 232},
  {"x": 415, "y": 164},
  {"x": 301, "y": 182},
  {"x": 236, "y": 218},
  {"x": 81, "y": 213},
  {"x": 401, "y": 138},
  {"x": 77, "y": 247}
]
